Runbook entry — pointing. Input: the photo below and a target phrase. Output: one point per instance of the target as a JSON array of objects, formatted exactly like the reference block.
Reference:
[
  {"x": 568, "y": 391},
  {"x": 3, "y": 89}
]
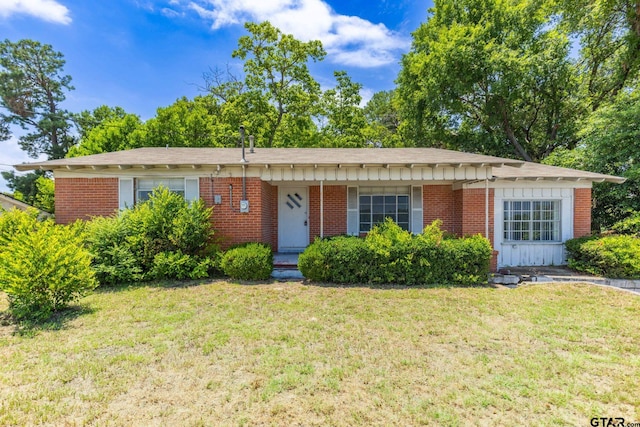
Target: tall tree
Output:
[
  {"x": 32, "y": 87},
  {"x": 611, "y": 141},
  {"x": 88, "y": 120},
  {"x": 105, "y": 132},
  {"x": 383, "y": 120},
  {"x": 609, "y": 35},
  {"x": 491, "y": 76},
  {"x": 276, "y": 71},
  {"x": 345, "y": 118}
]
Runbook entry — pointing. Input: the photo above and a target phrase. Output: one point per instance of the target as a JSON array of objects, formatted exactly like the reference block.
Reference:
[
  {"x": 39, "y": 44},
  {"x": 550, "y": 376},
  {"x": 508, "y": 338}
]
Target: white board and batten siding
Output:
[{"x": 520, "y": 253}]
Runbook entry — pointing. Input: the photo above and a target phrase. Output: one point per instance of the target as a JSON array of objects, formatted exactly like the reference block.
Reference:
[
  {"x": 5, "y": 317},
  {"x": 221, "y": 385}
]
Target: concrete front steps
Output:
[{"x": 285, "y": 266}]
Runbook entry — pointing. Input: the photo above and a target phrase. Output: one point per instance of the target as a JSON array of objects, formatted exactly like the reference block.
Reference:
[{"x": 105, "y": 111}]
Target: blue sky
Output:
[{"x": 144, "y": 54}]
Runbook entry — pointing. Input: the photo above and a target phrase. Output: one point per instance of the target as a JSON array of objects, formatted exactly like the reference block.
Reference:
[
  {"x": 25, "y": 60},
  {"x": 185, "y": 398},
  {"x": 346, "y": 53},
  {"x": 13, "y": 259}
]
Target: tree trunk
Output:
[{"x": 512, "y": 137}]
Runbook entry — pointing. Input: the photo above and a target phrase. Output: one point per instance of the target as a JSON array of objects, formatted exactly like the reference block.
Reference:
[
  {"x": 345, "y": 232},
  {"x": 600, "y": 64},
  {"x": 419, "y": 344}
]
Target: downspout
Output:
[
  {"x": 244, "y": 160},
  {"x": 486, "y": 208},
  {"x": 244, "y": 182},
  {"x": 321, "y": 209}
]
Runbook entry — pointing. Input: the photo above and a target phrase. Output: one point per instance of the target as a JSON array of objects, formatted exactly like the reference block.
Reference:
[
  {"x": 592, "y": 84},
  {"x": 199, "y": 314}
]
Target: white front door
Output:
[{"x": 293, "y": 230}]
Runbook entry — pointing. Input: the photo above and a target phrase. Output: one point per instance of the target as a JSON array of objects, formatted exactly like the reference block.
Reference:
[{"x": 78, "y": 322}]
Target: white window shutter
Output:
[
  {"x": 417, "y": 222},
  {"x": 352, "y": 211},
  {"x": 125, "y": 193},
  {"x": 191, "y": 189}
]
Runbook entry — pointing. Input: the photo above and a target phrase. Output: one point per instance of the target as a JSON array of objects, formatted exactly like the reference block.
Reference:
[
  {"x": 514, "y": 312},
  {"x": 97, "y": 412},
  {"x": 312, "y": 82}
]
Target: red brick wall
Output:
[
  {"x": 437, "y": 203},
  {"x": 269, "y": 215},
  {"x": 83, "y": 198},
  {"x": 581, "y": 212},
  {"x": 231, "y": 226},
  {"x": 335, "y": 210},
  {"x": 470, "y": 212},
  {"x": 469, "y": 215}
]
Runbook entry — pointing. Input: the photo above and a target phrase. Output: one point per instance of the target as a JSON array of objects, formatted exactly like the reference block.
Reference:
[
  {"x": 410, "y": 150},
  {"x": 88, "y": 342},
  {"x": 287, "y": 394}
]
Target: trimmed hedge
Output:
[
  {"x": 250, "y": 261},
  {"x": 391, "y": 255},
  {"x": 609, "y": 256}
]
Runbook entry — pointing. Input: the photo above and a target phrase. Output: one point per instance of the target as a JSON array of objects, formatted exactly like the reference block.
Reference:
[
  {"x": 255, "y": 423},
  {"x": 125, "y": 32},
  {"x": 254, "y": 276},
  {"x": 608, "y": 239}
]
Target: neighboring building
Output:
[
  {"x": 294, "y": 195},
  {"x": 7, "y": 203}
]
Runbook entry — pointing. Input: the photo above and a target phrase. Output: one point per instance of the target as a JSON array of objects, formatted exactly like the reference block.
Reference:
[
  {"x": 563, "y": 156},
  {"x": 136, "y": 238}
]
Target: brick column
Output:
[{"x": 581, "y": 212}]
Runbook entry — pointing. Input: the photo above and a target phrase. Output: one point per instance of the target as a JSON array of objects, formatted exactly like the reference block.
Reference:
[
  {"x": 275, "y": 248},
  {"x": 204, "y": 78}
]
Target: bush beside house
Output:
[
  {"x": 613, "y": 256},
  {"x": 250, "y": 261},
  {"x": 43, "y": 266},
  {"x": 162, "y": 238},
  {"x": 391, "y": 255}
]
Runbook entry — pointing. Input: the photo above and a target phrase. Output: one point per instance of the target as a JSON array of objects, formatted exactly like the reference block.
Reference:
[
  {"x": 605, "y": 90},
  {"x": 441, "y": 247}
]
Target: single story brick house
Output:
[{"x": 286, "y": 197}]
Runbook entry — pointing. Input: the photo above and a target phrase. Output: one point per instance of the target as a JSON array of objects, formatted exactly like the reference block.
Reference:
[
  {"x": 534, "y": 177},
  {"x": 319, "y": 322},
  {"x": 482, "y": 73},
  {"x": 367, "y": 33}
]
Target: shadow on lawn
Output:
[
  {"x": 171, "y": 284},
  {"x": 380, "y": 286},
  {"x": 57, "y": 321},
  {"x": 168, "y": 284}
]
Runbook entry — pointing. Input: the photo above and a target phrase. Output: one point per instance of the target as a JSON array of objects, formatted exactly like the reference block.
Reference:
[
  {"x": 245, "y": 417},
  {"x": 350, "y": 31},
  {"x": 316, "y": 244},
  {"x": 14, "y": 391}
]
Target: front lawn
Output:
[{"x": 293, "y": 354}]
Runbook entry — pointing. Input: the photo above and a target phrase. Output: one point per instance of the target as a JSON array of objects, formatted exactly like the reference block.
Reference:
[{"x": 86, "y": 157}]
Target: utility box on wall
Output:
[{"x": 244, "y": 206}]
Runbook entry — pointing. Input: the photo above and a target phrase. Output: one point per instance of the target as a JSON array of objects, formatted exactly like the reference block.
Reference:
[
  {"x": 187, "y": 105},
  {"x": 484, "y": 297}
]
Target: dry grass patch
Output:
[{"x": 289, "y": 353}]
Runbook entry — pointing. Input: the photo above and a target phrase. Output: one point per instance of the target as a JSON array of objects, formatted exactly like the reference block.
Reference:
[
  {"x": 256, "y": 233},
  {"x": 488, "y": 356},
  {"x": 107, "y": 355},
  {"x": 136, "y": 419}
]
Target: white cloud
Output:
[
  {"x": 349, "y": 40},
  {"x": 47, "y": 10},
  {"x": 170, "y": 13}
]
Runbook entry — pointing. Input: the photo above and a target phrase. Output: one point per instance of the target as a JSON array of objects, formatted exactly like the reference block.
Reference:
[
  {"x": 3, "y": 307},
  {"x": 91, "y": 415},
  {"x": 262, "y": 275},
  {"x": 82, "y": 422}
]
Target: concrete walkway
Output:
[{"x": 515, "y": 275}]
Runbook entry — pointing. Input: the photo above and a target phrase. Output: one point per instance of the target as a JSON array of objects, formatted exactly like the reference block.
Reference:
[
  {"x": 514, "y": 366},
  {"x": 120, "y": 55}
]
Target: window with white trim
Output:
[
  {"x": 145, "y": 186},
  {"x": 532, "y": 220},
  {"x": 378, "y": 203}
]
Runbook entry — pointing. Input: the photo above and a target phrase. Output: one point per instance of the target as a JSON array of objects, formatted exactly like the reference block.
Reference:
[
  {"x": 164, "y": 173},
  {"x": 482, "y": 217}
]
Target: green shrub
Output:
[
  {"x": 251, "y": 261},
  {"x": 466, "y": 260},
  {"x": 630, "y": 225},
  {"x": 113, "y": 258},
  {"x": 43, "y": 266},
  {"x": 164, "y": 237},
  {"x": 14, "y": 221},
  {"x": 390, "y": 254},
  {"x": 177, "y": 265},
  {"x": 609, "y": 256}
]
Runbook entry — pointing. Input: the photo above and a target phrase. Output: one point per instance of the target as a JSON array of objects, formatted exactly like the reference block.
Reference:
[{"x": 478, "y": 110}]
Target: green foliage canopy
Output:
[
  {"x": 32, "y": 88},
  {"x": 489, "y": 76},
  {"x": 277, "y": 76}
]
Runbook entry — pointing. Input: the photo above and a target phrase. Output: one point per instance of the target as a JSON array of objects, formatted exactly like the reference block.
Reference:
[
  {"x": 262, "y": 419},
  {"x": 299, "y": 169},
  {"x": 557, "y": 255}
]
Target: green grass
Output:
[{"x": 293, "y": 354}]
